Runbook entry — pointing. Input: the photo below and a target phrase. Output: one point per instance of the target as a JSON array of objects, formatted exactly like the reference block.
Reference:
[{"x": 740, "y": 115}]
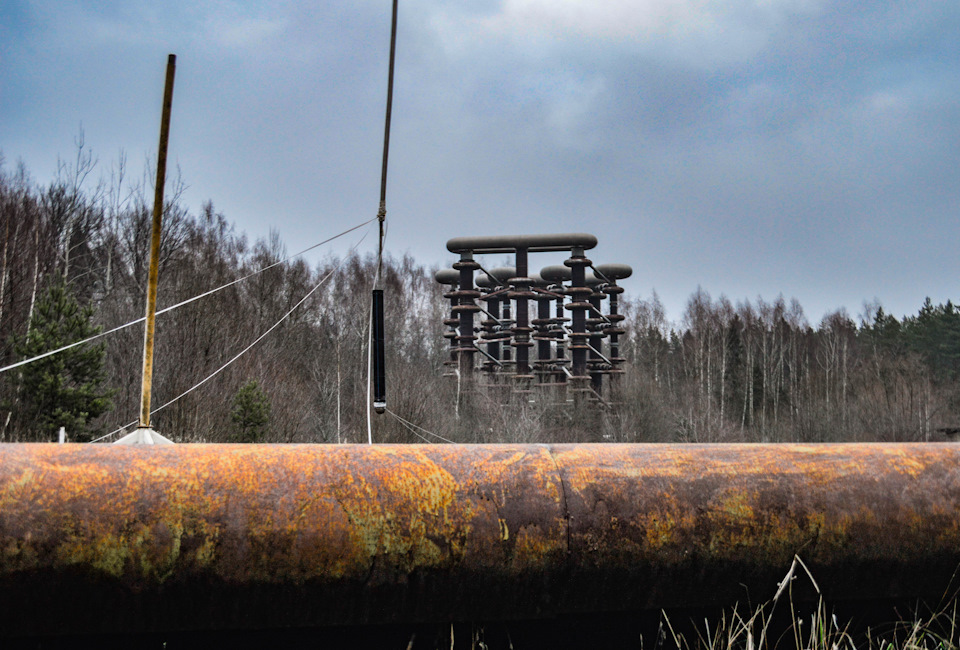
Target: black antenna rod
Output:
[{"x": 377, "y": 328}]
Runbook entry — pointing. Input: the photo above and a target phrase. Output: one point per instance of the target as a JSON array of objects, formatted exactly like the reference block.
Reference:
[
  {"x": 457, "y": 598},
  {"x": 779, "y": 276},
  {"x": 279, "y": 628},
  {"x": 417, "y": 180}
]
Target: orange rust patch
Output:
[{"x": 392, "y": 520}]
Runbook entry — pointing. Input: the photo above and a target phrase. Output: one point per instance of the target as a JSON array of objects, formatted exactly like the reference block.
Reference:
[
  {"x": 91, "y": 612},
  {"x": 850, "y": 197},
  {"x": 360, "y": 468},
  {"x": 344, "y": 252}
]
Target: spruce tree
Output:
[
  {"x": 935, "y": 334},
  {"x": 250, "y": 413},
  {"x": 64, "y": 389}
]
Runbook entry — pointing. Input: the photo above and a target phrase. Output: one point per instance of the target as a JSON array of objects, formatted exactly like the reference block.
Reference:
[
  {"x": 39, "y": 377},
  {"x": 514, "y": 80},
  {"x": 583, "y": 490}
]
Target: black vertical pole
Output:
[
  {"x": 379, "y": 373},
  {"x": 521, "y": 331}
]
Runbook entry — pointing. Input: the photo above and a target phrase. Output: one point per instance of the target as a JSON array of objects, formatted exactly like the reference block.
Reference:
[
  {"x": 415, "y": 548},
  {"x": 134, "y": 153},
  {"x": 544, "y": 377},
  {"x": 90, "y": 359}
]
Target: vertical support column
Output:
[
  {"x": 554, "y": 276},
  {"x": 452, "y": 324},
  {"x": 146, "y": 385},
  {"x": 499, "y": 332},
  {"x": 507, "y": 319},
  {"x": 450, "y": 279},
  {"x": 543, "y": 337},
  {"x": 594, "y": 325},
  {"x": 493, "y": 344},
  {"x": 578, "y": 307},
  {"x": 465, "y": 310},
  {"x": 490, "y": 335},
  {"x": 614, "y": 330},
  {"x": 521, "y": 331},
  {"x": 559, "y": 320}
]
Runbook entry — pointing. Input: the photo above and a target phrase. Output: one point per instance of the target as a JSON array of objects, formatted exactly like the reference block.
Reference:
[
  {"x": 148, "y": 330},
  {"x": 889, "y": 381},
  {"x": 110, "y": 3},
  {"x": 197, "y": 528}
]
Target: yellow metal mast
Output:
[{"x": 143, "y": 434}]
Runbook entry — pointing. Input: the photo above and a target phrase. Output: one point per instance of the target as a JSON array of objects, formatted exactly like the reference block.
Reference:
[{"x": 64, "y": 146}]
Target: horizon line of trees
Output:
[{"x": 73, "y": 261}]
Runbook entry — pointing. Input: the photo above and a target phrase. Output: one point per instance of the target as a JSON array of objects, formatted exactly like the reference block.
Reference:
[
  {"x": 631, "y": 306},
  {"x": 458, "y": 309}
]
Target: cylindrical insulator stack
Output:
[
  {"x": 451, "y": 279},
  {"x": 506, "y": 318},
  {"x": 465, "y": 309},
  {"x": 495, "y": 329},
  {"x": 489, "y": 325},
  {"x": 578, "y": 306},
  {"x": 595, "y": 323},
  {"x": 508, "y": 323},
  {"x": 555, "y": 276},
  {"x": 501, "y": 275},
  {"x": 614, "y": 272},
  {"x": 522, "y": 294},
  {"x": 541, "y": 325}
]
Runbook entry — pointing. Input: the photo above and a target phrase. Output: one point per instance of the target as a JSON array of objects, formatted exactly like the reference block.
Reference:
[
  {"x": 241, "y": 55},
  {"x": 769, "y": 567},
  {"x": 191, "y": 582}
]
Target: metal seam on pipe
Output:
[{"x": 235, "y": 536}]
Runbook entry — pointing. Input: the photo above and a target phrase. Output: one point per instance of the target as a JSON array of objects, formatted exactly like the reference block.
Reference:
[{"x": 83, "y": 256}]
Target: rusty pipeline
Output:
[{"x": 194, "y": 537}]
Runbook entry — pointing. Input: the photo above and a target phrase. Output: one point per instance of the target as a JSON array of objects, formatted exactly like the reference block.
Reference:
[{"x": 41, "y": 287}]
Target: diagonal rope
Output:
[
  {"x": 262, "y": 336},
  {"x": 115, "y": 431},
  {"x": 409, "y": 427},
  {"x": 409, "y": 424},
  {"x": 179, "y": 304},
  {"x": 413, "y": 431},
  {"x": 257, "y": 340}
]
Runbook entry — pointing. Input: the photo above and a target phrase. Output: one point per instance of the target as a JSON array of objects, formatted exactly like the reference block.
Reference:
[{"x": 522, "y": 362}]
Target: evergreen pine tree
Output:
[
  {"x": 935, "y": 334},
  {"x": 735, "y": 367},
  {"x": 65, "y": 389},
  {"x": 250, "y": 413}
]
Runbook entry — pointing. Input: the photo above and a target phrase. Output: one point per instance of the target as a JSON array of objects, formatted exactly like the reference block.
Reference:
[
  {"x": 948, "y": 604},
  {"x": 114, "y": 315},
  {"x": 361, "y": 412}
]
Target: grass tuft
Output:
[{"x": 816, "y": 630}]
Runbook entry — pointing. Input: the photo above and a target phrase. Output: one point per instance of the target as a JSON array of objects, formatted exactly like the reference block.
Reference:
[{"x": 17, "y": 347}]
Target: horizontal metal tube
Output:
[
  {"x": 194, "y": 537},
  {"x": 532, "y": 243}
]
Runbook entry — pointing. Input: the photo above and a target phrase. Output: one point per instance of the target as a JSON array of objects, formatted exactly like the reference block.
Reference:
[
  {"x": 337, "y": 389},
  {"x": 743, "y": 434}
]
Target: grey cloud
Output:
[{"x": 817, "y": 160}]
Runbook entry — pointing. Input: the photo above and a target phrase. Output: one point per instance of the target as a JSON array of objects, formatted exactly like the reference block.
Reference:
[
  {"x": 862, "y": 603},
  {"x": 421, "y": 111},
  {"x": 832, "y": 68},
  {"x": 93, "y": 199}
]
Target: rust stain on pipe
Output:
[
  {"x": 234, "y": 536},
  {"x": 703, "y": 524}
]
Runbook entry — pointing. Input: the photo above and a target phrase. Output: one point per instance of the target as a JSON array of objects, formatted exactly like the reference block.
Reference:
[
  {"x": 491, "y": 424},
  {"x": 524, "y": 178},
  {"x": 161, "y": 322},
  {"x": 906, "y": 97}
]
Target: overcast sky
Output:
[{"x": 750, "y": 147}]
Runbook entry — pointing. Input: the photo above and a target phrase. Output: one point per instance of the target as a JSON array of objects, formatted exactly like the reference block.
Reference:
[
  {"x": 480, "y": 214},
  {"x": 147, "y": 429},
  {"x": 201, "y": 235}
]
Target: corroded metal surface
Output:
[
  {"x": 233, "y": 536},
  {"x": 706, "y": 524}
]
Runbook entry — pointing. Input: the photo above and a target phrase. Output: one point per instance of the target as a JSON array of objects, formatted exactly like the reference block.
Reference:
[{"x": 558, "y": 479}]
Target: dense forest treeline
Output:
[{"x": 73, "y": 261}]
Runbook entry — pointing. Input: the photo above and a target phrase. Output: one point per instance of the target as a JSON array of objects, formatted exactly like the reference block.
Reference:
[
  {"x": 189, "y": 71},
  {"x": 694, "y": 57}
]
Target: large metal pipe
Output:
[{"x": 186, "y": 537}]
